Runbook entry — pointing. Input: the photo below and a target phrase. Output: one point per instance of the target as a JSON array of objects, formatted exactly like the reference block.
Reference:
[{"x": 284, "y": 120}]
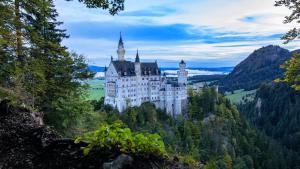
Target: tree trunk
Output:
[{"x": 18, "y": 31}]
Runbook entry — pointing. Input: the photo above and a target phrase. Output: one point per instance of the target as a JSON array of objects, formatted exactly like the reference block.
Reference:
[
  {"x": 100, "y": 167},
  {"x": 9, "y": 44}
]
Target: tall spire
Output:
[
  {"x": 121, "y": 50},
  {"x": 137, "y": 57},
  {"x": 121, "y": 44}
]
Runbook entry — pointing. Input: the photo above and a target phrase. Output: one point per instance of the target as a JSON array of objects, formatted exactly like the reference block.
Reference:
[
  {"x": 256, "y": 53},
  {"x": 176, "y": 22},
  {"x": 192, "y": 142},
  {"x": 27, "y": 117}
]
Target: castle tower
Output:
[
  {"x": 137, "y": 64},
  {"x": 121, "y": 50},
  {"x": 182, "y": 73}
]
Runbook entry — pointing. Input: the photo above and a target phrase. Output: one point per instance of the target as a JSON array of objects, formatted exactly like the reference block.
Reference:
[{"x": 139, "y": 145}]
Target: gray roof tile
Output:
[{"x": 126, "y": 68}]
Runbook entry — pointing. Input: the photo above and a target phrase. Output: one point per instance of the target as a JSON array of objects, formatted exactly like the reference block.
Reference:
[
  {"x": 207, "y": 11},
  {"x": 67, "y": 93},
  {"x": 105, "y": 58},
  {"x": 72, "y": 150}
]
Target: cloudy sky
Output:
[{"x": 205, "y": 33}]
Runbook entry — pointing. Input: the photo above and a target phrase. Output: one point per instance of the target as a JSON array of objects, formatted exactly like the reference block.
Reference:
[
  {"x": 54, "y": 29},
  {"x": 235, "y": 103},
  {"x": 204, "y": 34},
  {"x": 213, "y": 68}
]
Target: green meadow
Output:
[
  {"x": 96, "y": 89},
  {"x": 238, "y": 95}
]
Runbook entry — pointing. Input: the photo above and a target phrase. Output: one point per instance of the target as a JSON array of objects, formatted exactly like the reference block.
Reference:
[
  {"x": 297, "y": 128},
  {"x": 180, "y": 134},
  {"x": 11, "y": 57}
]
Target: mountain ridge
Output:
[{"x": 263, "y": 65}]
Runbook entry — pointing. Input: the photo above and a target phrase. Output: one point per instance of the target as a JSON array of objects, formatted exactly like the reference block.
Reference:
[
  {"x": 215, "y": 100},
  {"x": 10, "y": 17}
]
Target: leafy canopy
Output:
[
  {"x": 119, "y": 138},
  {"x": 292, "y": 67},
  {"x": 292, "y": 72},
  {"x": 294, "y": 6},
  {"x": 113, "y": 6}
]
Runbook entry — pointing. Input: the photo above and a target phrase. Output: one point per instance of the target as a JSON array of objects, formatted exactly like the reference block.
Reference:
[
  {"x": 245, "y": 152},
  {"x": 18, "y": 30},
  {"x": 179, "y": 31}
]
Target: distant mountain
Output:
[
  {"x": 263, "y": 65},
  {"x": 173, "y": 71}
]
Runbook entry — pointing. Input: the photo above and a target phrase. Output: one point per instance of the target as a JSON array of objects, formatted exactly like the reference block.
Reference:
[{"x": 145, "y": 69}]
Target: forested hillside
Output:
[
  {"x": 275, "y": 111},
  {"x": 263, "y": 65},
  {"x": 213, "y": 134}
]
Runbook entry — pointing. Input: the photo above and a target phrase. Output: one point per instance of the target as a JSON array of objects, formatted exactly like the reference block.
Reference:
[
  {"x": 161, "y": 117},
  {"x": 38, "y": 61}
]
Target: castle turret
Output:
[
  {"x": 182, "y": 73},
  {"x": 137, "y": 64},
  {"x": 121, "y": 50}
]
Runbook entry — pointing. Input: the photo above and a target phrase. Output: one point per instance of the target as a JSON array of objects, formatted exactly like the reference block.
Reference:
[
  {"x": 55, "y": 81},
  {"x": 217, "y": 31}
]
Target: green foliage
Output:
[
  {"x": 114, "y": 6},
  {"x": 228, "y": 160},
  {"x": 280, "y": 120},
  {"x": 293, "y": 6},
  {"x": 72, "y": 116},
  {"x": 37, "y": 71},
  {"x": 292, "y": 71},
  {"x": 212, "y": 132},
  {"x": 210, "y": 165},
  {"x": 292, "y": 67},
  {"x": 116, "y": 137}
]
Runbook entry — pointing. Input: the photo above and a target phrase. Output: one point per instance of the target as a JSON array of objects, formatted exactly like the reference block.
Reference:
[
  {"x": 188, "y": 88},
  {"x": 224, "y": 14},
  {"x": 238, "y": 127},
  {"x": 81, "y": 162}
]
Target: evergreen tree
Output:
[
  {"x": 36, "y": 69},
  {"x": 292, "y": 67}
]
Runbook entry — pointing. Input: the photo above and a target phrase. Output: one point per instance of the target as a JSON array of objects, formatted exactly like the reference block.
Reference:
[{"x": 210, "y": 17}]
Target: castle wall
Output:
[
  {"x": 125, "y": 86},
  {"x": 123, "y": 92}
]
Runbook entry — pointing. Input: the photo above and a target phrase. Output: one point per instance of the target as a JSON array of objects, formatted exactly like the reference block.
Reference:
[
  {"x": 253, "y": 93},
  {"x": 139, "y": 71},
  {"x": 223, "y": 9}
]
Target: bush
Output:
[{"x": 117, "y": 137}]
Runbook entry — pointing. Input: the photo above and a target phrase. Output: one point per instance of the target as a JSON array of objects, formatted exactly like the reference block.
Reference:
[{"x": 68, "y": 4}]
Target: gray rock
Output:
[{"x": 119, "y": 163}]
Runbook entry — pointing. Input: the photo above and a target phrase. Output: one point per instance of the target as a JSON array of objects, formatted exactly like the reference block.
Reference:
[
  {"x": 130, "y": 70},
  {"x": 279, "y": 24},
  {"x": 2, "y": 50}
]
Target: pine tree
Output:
[
  {"x": 228, "y": 160},
  {"x": 36, "y": 69}
]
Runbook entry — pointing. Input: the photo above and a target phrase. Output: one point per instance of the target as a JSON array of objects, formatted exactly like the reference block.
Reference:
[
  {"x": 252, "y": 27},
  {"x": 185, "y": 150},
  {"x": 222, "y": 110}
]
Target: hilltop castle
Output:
[{"x": 130, "y": 84}]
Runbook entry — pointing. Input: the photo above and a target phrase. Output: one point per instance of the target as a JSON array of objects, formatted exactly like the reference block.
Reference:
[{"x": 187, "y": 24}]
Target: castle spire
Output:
[
  {"x": 121, "y": 50},
  {"x": 121, "y": 44},
  {"x": 137, "y": 57}
]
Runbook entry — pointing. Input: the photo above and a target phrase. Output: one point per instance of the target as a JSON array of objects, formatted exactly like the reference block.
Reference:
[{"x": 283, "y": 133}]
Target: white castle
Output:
[{"x": 129, "y": 84}]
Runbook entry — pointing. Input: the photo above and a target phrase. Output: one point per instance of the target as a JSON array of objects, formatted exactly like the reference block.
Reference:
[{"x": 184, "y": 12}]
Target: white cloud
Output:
[
  {"x": 222, "y": 15},
  {"x": 98, "y": 51}
]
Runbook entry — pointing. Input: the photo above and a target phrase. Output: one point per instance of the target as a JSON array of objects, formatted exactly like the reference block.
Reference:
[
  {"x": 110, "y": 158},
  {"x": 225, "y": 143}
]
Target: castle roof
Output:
[
  {"x": 126, "y": 68},
  {"x": 150, "y": 68}
]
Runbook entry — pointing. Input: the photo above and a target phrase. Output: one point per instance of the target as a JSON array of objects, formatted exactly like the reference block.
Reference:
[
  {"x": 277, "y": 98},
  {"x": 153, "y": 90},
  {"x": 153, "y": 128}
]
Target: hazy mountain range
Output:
[{"x": 173, "y": 71}]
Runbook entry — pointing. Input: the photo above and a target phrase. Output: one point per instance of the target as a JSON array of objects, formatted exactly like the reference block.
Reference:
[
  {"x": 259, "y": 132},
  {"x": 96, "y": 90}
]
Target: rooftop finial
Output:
[{"x": 111, "y": 58}]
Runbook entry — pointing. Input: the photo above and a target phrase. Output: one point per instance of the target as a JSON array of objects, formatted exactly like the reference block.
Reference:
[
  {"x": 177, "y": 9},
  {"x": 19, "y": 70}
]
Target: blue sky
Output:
[{"x": 205, "y": 33}]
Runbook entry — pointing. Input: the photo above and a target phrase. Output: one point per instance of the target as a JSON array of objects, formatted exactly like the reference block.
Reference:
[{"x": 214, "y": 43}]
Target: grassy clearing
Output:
[
  {"x": 238, "y": 95},
  {"x": 96, "y": 90}
]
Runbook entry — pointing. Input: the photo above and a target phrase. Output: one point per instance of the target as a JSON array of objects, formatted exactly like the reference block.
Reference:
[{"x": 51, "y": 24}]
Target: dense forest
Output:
[
  {"x": 275, "y": 111},
  {"x": 213, "y": 133}
]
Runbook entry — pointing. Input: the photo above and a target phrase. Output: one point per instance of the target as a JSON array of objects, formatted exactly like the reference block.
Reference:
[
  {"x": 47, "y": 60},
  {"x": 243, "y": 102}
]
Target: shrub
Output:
[{"x": 117, "y": 137}]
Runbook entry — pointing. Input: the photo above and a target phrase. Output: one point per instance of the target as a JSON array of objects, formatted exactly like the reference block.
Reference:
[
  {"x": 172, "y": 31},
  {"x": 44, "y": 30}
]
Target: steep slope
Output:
[
  {"x": 263, "y": 65},
  {"x": 214, "y": 133},
  {"x": 26, "y": 143},
  {"x": 275, "y": 110}
]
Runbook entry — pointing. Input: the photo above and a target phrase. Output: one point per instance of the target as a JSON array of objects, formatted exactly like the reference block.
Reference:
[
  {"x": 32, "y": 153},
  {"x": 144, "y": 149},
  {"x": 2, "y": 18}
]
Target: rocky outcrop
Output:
[
  {"x": 25, "y": 143},
  {"x": 21, "y": 137}
]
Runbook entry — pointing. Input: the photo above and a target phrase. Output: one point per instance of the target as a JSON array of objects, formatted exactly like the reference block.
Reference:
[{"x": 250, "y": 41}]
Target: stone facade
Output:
[{"x": 130, "y": 84}]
